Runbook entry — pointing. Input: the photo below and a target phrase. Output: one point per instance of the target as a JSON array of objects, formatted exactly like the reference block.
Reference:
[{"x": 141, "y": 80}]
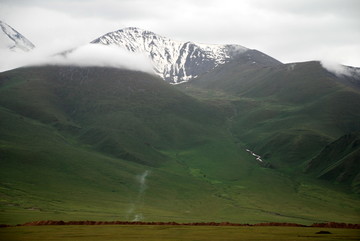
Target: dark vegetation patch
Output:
[
  {"x": 271, "y": 224},
  {"x": 323, "y": 232}
]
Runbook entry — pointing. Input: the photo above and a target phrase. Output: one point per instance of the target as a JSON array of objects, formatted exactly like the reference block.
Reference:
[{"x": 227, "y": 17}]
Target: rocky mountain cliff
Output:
[{"x": 177, "y": 61}]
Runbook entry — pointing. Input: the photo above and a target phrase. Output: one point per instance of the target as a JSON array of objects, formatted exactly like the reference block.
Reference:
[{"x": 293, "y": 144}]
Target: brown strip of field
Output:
[{"x": 322, "y": 225}]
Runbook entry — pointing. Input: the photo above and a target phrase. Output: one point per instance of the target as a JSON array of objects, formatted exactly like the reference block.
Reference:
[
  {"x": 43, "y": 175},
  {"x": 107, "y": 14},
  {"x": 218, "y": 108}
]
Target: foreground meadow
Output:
[{"x": 156, "y": 233}]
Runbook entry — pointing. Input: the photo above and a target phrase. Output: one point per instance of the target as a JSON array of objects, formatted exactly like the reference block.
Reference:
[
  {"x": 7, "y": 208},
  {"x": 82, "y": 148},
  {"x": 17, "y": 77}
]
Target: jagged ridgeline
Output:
[{"x": 177, "y": 61}]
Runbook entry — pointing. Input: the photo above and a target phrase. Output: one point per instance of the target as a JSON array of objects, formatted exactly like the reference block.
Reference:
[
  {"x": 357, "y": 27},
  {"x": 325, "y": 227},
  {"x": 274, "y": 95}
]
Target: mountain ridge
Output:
[{"x": 176, "y": 61}]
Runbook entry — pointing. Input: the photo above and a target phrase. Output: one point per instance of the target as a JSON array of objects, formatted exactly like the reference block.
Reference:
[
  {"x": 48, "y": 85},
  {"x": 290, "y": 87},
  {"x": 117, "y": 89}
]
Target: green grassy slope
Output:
[
  {"x": 287, "y": 113},
  {"x": 116, "y": 117},
  {"x": 339, "y": 161},
  {"x": 110, "y": 144}
]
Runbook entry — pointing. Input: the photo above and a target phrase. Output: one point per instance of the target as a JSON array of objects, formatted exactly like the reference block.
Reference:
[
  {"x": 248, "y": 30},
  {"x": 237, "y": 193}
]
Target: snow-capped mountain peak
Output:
[
  {"x": 12, "y": 39},
  {"x": 174, "y": 61}
]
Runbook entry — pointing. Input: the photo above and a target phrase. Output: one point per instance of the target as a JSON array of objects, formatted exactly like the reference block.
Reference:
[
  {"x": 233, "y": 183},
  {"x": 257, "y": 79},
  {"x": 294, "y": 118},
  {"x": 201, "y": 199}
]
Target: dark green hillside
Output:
[
  {"x": 287, "y": 113},
  {"x": 72, "y": 135},
  {"x": 119, "y": 117},
  {"x": 339, "y": 161},
  {"x": 110, "y": 144}
]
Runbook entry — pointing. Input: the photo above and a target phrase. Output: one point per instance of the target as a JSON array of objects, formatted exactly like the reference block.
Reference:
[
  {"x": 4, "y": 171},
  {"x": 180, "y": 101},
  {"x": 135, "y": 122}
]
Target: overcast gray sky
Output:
[{"x": 288, "y": 30}]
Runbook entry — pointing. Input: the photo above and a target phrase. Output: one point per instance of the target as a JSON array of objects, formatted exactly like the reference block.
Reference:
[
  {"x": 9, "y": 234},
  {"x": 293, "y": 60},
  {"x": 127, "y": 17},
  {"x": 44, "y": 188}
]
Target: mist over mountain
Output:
[{"x": 84, "y": 55}]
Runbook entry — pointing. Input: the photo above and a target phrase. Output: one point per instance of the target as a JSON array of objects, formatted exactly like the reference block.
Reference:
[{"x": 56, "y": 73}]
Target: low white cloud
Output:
[
  {"x": 290, "y": 31},
  {"x": 340, "y": 70},
  {"x": 87, "y": 55},
  {"x": 104, "y": 56}
]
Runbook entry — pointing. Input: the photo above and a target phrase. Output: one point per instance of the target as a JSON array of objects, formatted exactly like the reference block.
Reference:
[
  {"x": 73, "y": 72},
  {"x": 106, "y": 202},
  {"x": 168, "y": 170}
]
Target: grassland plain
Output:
[
  {"x": 75, "y": 144},
  {"x": 172, "y": 233}
]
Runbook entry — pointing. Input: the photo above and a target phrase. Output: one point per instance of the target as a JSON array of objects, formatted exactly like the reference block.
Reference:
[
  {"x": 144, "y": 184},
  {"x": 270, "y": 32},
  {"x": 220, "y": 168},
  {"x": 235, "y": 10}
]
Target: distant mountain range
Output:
[
  {"x": 13, "y": 40},
  {"x": 176, "y": 61}
]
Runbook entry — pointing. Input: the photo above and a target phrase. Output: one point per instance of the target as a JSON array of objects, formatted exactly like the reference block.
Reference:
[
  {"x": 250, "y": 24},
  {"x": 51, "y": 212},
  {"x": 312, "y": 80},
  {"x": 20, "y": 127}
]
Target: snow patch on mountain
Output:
[
  {"x": 174, "y": 61},
  {"x": 13, "y": 40}
]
